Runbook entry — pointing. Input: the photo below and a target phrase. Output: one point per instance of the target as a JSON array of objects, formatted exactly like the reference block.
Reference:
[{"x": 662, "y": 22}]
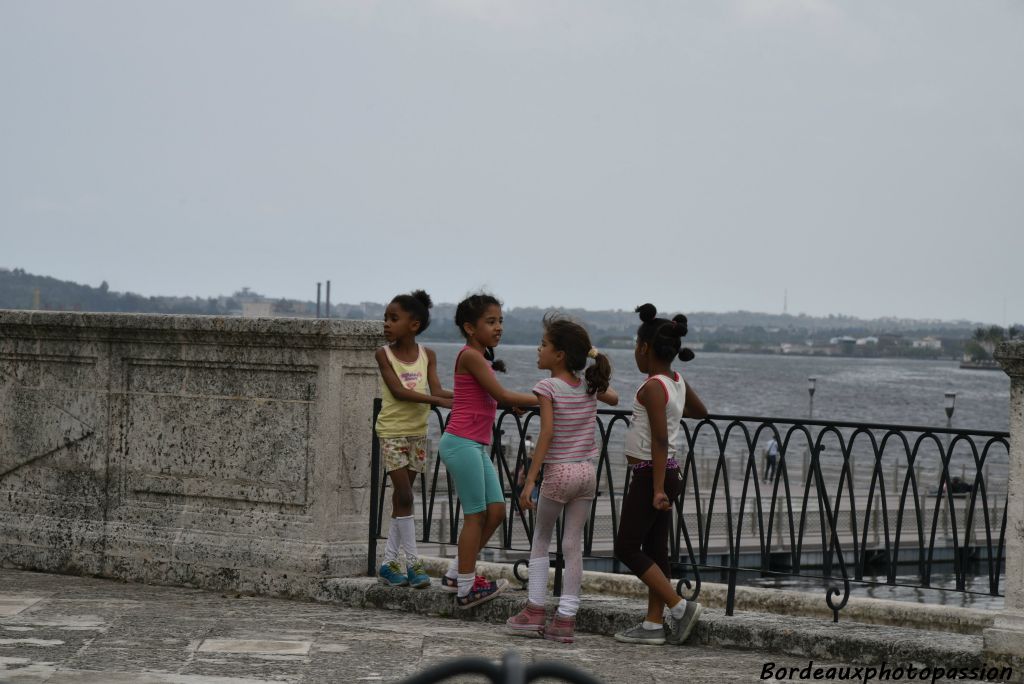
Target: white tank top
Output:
[{"x": 638, "y": 438}]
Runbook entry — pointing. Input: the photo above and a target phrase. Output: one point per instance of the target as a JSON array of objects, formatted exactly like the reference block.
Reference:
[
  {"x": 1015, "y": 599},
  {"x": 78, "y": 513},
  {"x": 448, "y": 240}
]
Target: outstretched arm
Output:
[
  {"x": 475, "y": 364},
  {"x": 433, "y": 381},
  {"x": 693, "y": 407}
]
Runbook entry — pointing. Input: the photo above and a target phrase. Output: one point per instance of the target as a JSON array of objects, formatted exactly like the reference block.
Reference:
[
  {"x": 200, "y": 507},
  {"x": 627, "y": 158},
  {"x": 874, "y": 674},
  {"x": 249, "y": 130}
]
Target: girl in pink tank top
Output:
[{"x": 463, "y": 447}]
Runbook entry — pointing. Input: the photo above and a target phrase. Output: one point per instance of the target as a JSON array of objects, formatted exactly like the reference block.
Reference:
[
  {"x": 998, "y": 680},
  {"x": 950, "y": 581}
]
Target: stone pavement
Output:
[{"x": 58, "y": 629}]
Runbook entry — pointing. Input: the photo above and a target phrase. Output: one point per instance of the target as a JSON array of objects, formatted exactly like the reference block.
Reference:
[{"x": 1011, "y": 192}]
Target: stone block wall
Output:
[{"x": 188, "y": 450}]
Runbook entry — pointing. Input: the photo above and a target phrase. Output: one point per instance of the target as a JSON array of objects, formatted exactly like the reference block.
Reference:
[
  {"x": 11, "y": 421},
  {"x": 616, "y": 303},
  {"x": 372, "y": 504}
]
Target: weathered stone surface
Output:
[
  {"x": 191, "y": 450},
  {"x": 350, "y": 644},
  {"x": 1005, "y": 639}
]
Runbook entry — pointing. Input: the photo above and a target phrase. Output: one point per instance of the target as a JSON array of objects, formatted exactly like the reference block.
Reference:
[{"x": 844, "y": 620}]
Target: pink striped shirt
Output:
[{"x": 575, "y": 414}]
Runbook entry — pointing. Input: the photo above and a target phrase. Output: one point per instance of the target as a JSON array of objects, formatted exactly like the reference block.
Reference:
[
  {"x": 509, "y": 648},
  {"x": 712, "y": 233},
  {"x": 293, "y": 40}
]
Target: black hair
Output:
[
  {"x": 470, "y": 310},
  {"x": 572, "y": 339},
  {"x": 664, "y": 336},
  {"x": 417, "y": 304}
]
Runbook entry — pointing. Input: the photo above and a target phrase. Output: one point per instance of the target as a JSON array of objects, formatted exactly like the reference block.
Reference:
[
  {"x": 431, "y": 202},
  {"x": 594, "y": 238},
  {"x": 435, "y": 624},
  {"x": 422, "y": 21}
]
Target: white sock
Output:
[
  {"x": 537, "y": 587},
  {"x": 453, "y": 569},
  {"x": 568, "y": 605},
  {"x": 394, "y": 542},
  {"x": 651, "y": 626},
  {"x": 407, "y": 524},
  {"x": 678, "y": 610},
  {"x": 465, "y": 583}
]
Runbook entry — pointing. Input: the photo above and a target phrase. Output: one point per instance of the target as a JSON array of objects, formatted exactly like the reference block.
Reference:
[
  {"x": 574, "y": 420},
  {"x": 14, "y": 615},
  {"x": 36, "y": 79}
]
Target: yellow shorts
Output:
[{"x": 404, "y": 452}]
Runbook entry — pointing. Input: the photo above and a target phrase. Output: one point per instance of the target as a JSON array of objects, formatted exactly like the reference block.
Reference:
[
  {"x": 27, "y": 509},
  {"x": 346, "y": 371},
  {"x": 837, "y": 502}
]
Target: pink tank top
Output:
[{"x": 473, "y": 409}]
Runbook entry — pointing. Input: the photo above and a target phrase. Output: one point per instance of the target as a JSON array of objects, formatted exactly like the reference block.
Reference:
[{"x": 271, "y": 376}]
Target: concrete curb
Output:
[
  {"x": 813, "y": 638},
  {"x": 774, "y": 601}
]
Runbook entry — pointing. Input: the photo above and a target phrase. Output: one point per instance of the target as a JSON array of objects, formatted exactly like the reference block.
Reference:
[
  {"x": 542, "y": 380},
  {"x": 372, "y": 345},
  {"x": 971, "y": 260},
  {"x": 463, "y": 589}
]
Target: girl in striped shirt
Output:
[{"x": 567, "y": 448}]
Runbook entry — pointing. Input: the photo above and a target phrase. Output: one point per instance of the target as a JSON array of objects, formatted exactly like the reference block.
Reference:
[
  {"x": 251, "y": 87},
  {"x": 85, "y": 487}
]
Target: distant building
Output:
[
  {"x": 928, "y": 343},
  {"x": 264, "y": 309},
  {"x": 865, "y": 341}
]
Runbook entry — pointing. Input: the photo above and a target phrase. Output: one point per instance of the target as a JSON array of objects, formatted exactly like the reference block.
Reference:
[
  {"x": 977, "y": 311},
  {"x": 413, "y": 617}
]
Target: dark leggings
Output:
[{"x": 642, "y": 540}]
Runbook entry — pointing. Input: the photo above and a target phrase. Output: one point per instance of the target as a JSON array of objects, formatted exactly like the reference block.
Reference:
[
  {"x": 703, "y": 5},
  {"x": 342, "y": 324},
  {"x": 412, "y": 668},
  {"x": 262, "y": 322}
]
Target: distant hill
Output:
[{"x": 736, "y": 330}]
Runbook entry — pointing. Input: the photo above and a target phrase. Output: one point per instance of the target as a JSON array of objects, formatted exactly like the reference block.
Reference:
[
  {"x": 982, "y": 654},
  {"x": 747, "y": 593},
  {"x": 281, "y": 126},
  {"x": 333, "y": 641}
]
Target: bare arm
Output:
[
  {"x": 652, "y": 397},
  {"x": 435, "y": 384},
  {"x": 609, "y": 396},
  {"x": 395, "y": 386},
  {"x": 476, "y": 365},
  {"x": 547, "y": 431},
  {"x": 693, "y": 406}
]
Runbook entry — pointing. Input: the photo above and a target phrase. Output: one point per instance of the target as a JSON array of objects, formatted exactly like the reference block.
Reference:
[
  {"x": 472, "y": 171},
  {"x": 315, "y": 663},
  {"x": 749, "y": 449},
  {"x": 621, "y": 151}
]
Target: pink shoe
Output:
[
  {"x": 561, "y": 629},
  {"x": 528, "y": 622}
]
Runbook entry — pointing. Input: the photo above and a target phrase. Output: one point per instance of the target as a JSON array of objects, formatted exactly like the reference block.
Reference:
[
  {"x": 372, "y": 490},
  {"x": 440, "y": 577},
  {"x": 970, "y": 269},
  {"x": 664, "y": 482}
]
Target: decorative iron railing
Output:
[{"x": 846, "y": 500}]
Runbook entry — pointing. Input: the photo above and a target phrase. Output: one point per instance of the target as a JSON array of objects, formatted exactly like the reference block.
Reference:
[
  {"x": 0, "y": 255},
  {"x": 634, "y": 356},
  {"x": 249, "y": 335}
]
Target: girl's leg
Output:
[
  {"x": 471, "y": 540},
  {"x": 576, "y": 514},
  {"x": 530, "y": 620},
  {"x": 642, "y": 539},
  {"x": 660, "y": 590},
  {"x": 401, "y": 507},
  {"x": 548, "y": 511}
]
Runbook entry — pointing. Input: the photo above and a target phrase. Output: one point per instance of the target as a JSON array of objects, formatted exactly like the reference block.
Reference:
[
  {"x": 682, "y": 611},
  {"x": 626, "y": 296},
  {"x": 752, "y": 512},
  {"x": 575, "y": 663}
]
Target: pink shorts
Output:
[{"x": 565, "y": 482}]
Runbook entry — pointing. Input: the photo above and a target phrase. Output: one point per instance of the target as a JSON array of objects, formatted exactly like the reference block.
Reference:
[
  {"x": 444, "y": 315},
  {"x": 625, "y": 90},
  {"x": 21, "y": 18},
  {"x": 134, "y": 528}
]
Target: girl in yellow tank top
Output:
[{"x": 409, "y": 386}]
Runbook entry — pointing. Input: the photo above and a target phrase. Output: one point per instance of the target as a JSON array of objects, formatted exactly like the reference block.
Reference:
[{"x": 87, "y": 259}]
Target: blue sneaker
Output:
[
  {"x": 418, "y": 579},
  {"x": 391, "y": 574}
]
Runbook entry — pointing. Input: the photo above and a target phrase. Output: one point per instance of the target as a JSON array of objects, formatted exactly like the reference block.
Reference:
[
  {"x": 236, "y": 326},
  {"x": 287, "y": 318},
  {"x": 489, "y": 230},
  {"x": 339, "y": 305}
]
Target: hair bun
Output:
[
  {"x": 680, "y": 322},
  {"x": 423, "y": 298},
  {"x": 686, "y": 354},
  {"x": 648, "y": 312}
]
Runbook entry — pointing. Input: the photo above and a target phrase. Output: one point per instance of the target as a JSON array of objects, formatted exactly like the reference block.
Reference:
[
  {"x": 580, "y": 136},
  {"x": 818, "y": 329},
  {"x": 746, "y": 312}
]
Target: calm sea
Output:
[{"x": 901, "y": 391}]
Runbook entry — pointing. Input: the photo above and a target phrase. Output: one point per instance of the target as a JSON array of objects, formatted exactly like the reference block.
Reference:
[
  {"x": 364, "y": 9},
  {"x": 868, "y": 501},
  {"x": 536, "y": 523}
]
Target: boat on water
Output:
[{"x": 980, "y": 364}]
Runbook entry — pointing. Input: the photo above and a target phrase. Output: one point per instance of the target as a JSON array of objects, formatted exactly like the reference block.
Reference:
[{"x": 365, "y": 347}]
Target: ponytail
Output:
[{"x": 598, "y": 374}]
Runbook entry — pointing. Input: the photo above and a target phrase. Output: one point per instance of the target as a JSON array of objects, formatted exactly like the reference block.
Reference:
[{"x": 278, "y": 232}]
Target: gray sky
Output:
[{"x": 866, "y": 155}]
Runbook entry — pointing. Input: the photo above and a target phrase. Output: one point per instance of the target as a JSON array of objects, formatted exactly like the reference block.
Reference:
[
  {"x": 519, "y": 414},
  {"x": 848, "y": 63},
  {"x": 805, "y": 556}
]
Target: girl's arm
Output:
[
  {"x": 652, "y": 397},
  {"x": 693, "y": 406},
  {"x": 547, "y": 431},
  {"x": 434, "y": 382},
  {"x": 609, "y": 396},
  {"x": 474, "y": 363},
  {"x": 397, "y": 389}
]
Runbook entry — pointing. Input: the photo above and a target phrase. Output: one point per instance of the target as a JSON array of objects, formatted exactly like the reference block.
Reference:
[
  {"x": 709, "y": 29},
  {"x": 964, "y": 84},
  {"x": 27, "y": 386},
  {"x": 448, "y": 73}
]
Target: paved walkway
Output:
[{"x": 59, "y": 629}]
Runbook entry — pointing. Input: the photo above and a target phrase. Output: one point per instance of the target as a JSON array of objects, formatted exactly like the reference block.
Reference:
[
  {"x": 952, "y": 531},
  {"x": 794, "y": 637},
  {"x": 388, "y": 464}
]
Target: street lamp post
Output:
[{"x": 811, "y": 382}]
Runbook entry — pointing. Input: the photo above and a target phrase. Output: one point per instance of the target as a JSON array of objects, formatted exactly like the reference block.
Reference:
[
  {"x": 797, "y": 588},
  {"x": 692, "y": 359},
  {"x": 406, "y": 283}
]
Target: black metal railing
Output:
[{"x": 846, "y": 501}]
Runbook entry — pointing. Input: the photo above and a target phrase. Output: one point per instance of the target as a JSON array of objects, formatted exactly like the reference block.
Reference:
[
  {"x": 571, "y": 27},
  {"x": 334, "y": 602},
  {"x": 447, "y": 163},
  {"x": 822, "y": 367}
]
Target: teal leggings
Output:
[{"x": 476, "y": 481}]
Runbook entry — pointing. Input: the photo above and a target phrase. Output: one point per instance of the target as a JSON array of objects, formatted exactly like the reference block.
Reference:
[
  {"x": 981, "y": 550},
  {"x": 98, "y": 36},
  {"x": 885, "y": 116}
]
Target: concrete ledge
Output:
[
  {"x": 804, "y": 637},
  {"x": 774, "y": 601}
]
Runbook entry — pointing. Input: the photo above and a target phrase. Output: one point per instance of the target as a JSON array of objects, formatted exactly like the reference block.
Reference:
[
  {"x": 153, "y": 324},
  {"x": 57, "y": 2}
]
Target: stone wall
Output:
[
  {"x": 1005, "y": 639},
  {"x": 187, "y": 450}
]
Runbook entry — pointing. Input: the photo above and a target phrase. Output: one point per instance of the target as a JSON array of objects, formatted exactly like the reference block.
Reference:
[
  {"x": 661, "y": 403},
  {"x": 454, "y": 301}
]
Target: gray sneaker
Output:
[
  {"x": 676, "y": 631},
  {"x": 639, "y": 635}
]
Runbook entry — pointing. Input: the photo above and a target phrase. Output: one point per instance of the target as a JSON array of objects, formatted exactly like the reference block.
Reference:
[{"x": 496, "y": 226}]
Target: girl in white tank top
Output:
[{"x": 641, "y": 541}]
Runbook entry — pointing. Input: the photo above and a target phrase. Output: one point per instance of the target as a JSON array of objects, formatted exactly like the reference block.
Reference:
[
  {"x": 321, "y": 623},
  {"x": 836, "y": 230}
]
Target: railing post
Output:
[
  {"x": 1004, "y": 641},
  {"x": 371, "y": 550}
]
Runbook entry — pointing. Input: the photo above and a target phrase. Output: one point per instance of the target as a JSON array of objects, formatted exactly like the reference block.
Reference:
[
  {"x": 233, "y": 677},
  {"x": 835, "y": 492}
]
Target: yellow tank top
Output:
[{"x": 399, "y": 418}]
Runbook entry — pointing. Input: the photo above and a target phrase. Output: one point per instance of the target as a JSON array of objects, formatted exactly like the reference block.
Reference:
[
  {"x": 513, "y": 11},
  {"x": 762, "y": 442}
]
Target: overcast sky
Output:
[{"x": 868, "y": 156}]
